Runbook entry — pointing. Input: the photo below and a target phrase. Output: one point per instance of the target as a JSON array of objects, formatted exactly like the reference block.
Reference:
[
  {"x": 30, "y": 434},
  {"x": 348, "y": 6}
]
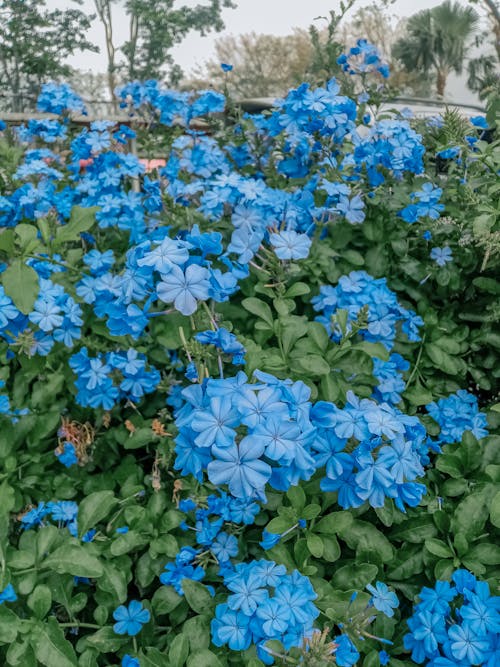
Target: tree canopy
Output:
[{"x": 35, "y": 43}]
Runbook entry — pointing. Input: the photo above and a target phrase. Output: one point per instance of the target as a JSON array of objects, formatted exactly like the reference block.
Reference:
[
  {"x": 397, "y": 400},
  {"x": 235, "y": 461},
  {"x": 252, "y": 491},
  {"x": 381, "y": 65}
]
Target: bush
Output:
[{"x": 237, "y": 421}]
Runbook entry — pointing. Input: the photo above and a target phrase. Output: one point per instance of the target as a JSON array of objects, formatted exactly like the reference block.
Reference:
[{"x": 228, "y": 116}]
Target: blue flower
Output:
[
  {"x": 479, "y": 121},
  {"x": 441, "y": 255},
  {"x": 224, "y": 547},
  {"x": 290, "y": 245},
  {"x": 384, "y": 658},
  {"x": 274, "y": 617},
  {"x": 130, "y": 619},
  {"x": 231, "y": 628},
  {"x": 383, "y": 599},
  {"x": 465, "y": 644},
  {"x": 269, "y": 540},
  {"x": 346, "y": 654},
  {"x": 129, "y": 661},
  {"x": 184, "y": 288},
  {"x": 68, "y": 456},
  {"x": 8, "y": 594},
  {"x": 225, "y": 67},
  {"x": 240, "y": 468}
]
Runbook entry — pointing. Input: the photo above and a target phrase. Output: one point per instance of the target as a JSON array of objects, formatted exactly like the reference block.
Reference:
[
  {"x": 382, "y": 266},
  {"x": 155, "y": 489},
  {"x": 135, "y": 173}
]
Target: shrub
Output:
[{"x": 237, "y": 420}]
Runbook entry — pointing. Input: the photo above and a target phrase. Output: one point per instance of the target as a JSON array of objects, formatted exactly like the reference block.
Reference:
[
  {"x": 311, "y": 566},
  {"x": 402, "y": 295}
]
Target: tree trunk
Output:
[
  {"x": 441, "y": 82},
  {"x": 494, "y": 12},
  {"x": 104, "y": 11}
]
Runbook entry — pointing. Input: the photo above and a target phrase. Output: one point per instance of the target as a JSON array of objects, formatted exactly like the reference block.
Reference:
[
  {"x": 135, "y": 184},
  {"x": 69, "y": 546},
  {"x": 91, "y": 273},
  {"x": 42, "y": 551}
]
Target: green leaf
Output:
[
  {"x": 259, "y": 308},
  {"x": 331, "y": 548},
  {"x": 51, "y": 648},
  {"x": 106, "y": 640},
  {"x": 488, "y": 554},
  {"x": 40, "y": 601},
  {"x": 197, "y": 596},
  {"x": 297, "y": 289},
  {"x": 178, "y": 651},
  {"x": 297, "y": 497},
  {"x": 495, "y": 510},
  {"x": 315, "y": 545},
  {"x": 312, "y": 364},
  {"x": 442, "y": 359},
  {"x": 20, "y": 282},
  {"x": 335, "y": 522},
  {"x": 81, "y": 220},
  {"x": 113, "y": 581},
  {"x": 74, "y": 559},
  {"x": 165, "y": 600},
  {"x": 204, "y": 658},
  {"x": 7, "y": 241},
  {"x": 354, "y": 576},
  {"x": 93, "y": 509},
  {"x": 318, "y": 334},
  {"x": 438, "y": 548},
  {"x": 9, "y": 625},
  {"x": 154, "y": 658},
  {"x": 127, "y": 542}
]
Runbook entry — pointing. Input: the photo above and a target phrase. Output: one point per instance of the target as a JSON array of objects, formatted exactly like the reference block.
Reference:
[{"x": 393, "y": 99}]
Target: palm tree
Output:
[{"x": 436, "y": 41}]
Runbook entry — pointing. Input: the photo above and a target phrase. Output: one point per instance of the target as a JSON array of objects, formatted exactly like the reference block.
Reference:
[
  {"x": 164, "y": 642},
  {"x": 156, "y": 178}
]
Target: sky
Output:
[{"x": 277, "y": 17}]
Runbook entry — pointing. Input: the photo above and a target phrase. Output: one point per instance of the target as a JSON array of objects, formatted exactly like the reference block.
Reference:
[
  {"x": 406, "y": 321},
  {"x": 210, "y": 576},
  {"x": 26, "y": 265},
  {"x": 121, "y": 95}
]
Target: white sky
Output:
[{"x": 277, "y": 17}]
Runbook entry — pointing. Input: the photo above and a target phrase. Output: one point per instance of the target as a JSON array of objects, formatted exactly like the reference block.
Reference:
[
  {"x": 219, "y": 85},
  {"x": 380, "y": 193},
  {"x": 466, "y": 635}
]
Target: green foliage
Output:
[{"x": 35, "y": 43}]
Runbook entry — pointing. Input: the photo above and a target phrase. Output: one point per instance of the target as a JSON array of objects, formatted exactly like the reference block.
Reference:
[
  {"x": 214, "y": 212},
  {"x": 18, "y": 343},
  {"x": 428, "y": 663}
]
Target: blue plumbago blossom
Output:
[
  {"x": 424, "y": 204},
  {"x": 457, "y": 414},
  {"x": 64, "y": 513},
  {"x": 129, "y": 661},
  {"x": 264, "y": 603},
  {"x": 129, "y": 620},
  {"x": 58, "y": 98},
  {"x": 8, "y": 594},
  {"x": 68, "y": 455},
  {"x": 290, "y": 244},
  {"x": 383, "y": 599},
  {"x": 225, "y": 341},
  {"x": 244, "y": 435},
  {"x": 390, "y": 378},
  {"x": 385, "y": 457},
  {"x": 362, "y": 59},
  {"x": 442, "y": 255},
  {"x": 455, "y": 625},
  {"x": 105, "y": 380},
  {"x": 214, "y": 519},
  {"x": 385, "y": 313}
]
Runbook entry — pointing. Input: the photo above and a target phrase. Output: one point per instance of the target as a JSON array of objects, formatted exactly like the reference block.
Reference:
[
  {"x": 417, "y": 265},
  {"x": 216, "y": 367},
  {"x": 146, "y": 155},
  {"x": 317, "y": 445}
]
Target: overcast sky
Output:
[{"x": 277, "y": 17}]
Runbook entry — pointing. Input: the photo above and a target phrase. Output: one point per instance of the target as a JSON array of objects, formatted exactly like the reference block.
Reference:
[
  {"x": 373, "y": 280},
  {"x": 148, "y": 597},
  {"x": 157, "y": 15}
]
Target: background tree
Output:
[
  {"x": 155, "y": 27},
  {"x": 484, "y": 70},
  {"x": 376, "y": 24},
  {"x": 436, "y": 41},
  {"x": 263, "y": 65},
  {"x": 35, "y": 43}
]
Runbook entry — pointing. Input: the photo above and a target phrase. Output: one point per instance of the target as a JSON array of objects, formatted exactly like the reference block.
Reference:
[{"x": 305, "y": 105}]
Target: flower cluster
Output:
[
  {"x": 390, "y": 378},
  {"x": 362, "y": 59},
  {"x": 104, "y": 380},
  {"x": 170, "y": 106},
  {"x": 457, "y": 414},
  {"x": 359, "y": 291},
  {"x": 264, "y": 603},
  {"x": 58, "y": 98},
  {"x": 370, "y": 452},
  {"x": 246, "y": 435},
  {"x": 456, "y": 624},
  {"x": 215, "y": 521},
  {"x": 62, "y": 512},
  {"x": 425, "y": 204}
]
